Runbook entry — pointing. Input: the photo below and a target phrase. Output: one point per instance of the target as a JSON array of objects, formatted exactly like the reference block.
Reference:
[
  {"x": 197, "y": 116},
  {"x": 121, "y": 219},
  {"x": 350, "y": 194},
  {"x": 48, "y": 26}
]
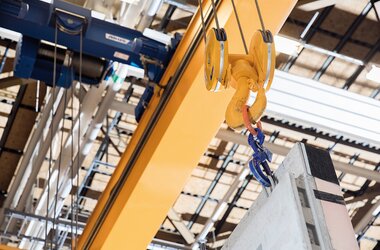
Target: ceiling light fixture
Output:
[
  {"x": 9, "y": 34},
  {"x": 287, "y": 46},
  {"x": 376, "y": 6},
  {"x": 374, "y": 74},
  {"x": 293, "y": 47}
]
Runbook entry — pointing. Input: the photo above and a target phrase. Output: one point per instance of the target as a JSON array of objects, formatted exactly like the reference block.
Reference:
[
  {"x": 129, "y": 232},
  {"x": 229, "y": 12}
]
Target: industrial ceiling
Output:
[{"x": 340, "y": 41}]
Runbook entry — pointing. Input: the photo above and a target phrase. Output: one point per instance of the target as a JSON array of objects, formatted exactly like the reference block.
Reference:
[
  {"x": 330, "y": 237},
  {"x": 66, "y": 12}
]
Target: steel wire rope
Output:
[
  {"x": 79, "y": 137},
  {"x": 203, "y": 20},
  {"x": 240, "y": 28},
  {"x": 215, "y": 15},
  {"x": 72, "y": 166},
  {"x": 267, "y": 36},
  {"x": 75, "y": 209},
  {"x": 37, "y": 95},
  {"x": 260, "y": 16},
  {"x": 59, "y": 168},
  {"x": 51, "y": 138},
  {"x": 63, "y": 29},
  {"x": 107, "y": 137}
]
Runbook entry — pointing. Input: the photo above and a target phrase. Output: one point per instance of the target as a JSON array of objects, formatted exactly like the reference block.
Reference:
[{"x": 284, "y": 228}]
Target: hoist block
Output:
[{"x": 253, "y": 72}]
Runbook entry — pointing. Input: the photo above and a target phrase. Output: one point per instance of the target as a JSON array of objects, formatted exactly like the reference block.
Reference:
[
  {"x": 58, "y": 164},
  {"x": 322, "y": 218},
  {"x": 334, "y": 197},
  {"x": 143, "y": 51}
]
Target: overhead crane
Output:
[
  {"x": 81, "y": 32},
  {"x": 131, "y": 197},
  {"x": 149, "y": 175},
  {"x": 152, "y": 170}
]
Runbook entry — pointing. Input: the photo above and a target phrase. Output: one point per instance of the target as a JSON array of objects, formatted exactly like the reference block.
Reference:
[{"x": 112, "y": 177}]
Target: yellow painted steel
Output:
[
  {"x": 216, "y": 62},
  {"x": 190, "y": 120},
  {"x": 246, "y": 78},
  {"x": 250, "y": 74},
  {"x": 4, "y": 247}
]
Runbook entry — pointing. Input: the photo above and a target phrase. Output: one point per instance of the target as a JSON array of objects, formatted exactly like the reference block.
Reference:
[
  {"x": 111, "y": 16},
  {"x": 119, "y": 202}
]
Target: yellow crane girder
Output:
[{"x": 166, "y": 146}]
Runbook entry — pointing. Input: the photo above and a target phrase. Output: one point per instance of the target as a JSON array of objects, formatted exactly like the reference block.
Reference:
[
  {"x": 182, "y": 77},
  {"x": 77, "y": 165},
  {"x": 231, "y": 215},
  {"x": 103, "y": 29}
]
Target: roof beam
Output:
[
  {"x": 355, "y": 24},
  {"x": 19, "y": 125},
  {"x": 309, "y": 35},
  {"x": 8, "y": 65},
  {"x": 360, "y": 68},
  {"x": 13, "y": 81},
  {"x": 310, "y": 5},
  {"x": 180, "y": 226},
  {"x": 364, "y": 216},
  {"x": 369, "y": 194}
]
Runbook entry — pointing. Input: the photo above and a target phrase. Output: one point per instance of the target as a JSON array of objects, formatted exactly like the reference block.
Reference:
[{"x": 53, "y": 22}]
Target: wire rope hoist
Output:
[
  {"x": 246, "y": 73},
  {"x": 103, "y": 42}
]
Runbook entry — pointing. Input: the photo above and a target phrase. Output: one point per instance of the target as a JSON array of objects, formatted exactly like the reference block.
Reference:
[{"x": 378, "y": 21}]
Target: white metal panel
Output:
[{"x": 308, "y": 102}]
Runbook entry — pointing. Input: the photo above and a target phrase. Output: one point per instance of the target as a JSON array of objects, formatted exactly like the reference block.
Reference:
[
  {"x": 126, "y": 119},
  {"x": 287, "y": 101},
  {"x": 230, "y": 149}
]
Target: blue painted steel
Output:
[
  {"x": 259, "y": 138},
  {"x": 69, "y": 23},
  {"x": 29, "y": 65},
  {"x": 258, "y": 174},
  {"x": 155, "y": 73},
  {"x": 66, "y": 77},
  {"x": 14, "y": 8},
  {"x": 26, "y": 56},
  {"x": 100, "y": 39},
  {"x": 143, "y": 102},
  {"x": 260, "y": 158}
]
